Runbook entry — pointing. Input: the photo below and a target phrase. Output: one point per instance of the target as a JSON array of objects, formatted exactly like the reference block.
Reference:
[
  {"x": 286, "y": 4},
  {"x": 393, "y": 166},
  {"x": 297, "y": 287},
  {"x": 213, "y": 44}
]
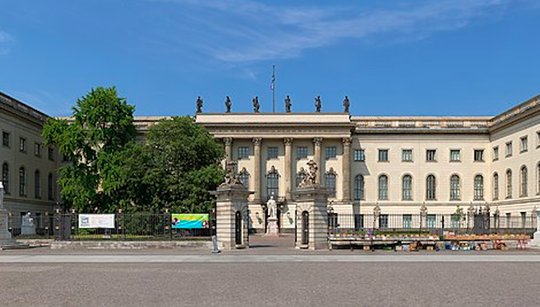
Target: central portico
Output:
[{"x": 272, "y": 151}]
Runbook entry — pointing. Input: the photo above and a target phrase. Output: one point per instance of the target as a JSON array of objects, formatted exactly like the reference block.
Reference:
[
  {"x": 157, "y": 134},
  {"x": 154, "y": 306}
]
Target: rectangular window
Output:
[
  {"x": 358, "y": 222},
  {"x": 455, "y": 155},
  {"x": 37, "y": 149},
  {"x": 272, "y": 153},
  {"x": 50, "y": 153},
  {"x": 495, "y": 153},
  {"x": 538, "y": 139},
  {"x": 359, "y": 155},
  {"x": 330, "y": 152},
  {"x": 406, "y": 155},
  {"x": 243, "y": 152},
  {"x": 509, "y": 149},
  {"x": 455, "y": 220},
  {"x": 523, "y": 219},
  {"x": 5, "y": 138},
  {"x": 22, "y": 144},
  {"x": 479, "y": 155},
  {"x": 383, "y": 155},
  {"x": 431, "y": 221},
  {"x": 431, "y": 155},
  {"x": 383, "y": 221},
  {"x": 523, "y": 144},
  {"x": 407, "y": 220},
  {"x": 301, "y": 152}
]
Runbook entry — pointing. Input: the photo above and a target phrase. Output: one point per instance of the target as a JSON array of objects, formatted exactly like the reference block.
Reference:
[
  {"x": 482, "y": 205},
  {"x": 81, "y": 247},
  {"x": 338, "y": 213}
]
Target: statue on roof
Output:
[
  {"x": 199, "y": 104},
  {"x": 346, "y": 104},
  {"x": 288, "y": 104},
  {"x": 256, "y": 104},
  {"x": 318, "y": 104},
  {"x": 228, "y": 105}
]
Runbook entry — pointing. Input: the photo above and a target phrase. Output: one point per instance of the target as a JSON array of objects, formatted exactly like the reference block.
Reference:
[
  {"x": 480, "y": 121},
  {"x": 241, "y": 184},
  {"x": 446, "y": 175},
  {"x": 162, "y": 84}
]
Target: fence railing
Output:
[
  {"x": 431, "y": 223},
  {"x": 127, "y": 226}
]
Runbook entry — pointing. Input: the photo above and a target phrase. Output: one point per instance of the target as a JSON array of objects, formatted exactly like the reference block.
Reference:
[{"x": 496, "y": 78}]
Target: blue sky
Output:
[{"x": 441, "y": 57}]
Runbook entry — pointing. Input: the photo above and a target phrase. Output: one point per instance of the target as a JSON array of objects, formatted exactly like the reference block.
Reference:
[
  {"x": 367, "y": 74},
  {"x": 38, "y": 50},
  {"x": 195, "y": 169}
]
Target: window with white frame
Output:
[
  {"x": 455, "y": 155},
  {"x": 383, "y": 187},
  {"x": 406, "y": 155},
  {"x": 330, "y": 182},
  {"x": 523, "y": 176},
  {"x": 272, "y": 153},
  {"x": 243, "y": 152},
  {"x": 478, "y": 187},
  {"x": 509, "y": 149},
  {"x": 407, "y": 220},
  {"x": 508, "y": 183},
  {"x": 495, "y": 186},
  {"x": 359, "y": 155},
  {"x": 431, "y": 186},
  {"x": 478, "y": 155},
  {"x": 431, "y": 155},
  {"x": 358, "y": 187},
  {"x": 301, "y": 152},
  {"x": 455, "y": 188},
  {"x": 524, "y": 146},
  {"x": 383, "y": 155},
  {"x": 243, "y": 176},
  {"x": 330, "y": 152},
  {"x": 406, "y": 187},
  {"x": 495, "y": 153}
]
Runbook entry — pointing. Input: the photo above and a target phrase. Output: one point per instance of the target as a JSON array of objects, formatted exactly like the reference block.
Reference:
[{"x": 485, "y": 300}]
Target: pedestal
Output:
[
  {"x": 272, "y": 229},
  {"x": 232, "y": 220},
  {"x": 536, "y": 237},
  {"x": 312, "y": 217}
]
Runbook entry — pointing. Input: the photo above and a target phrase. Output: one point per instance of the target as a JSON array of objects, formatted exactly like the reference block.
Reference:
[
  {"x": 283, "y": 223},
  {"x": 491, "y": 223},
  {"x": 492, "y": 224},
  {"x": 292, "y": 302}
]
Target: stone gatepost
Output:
[
  {"x": 536, "y": 238},
  {"x": 5, "y": 235},
  {"x": 232, "y": 217},
  {"x": 312, "y": 212}
]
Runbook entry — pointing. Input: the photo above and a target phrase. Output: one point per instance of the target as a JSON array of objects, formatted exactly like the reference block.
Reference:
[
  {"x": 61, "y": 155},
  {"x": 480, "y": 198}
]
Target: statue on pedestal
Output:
[
  {"x": 27, "y": 225},
  {"x": 272, "y": 227},
  {"x": 256, "y": 104},
  {"x": 346, "y": 104},
  {"x": 228, "y": 105},
  {"x": 310, "y": 177},
  {"x": 231, "y": 177},
  {"x": 271, "y": 207},
  {"x": 199, "y": 104},
  {"x": 288, "y": 104}
]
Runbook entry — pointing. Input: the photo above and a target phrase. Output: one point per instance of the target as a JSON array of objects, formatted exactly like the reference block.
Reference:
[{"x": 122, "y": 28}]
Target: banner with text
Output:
[{"x": 96, "y": 220}]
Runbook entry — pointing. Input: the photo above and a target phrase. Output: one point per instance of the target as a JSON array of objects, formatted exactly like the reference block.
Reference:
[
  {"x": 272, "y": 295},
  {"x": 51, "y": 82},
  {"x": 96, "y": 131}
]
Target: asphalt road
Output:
[{"x": 270, "y": 284}]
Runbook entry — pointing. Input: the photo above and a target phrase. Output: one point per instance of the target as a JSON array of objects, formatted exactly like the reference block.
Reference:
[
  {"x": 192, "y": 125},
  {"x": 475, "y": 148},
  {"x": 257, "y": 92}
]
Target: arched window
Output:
[
  {"x": 50, "y": 187},
  {"x": 383, "y": 187},
  {"x": 495, "y": 186},
  {"x": 272, "y": 183},
  {"x": 455, "y": 188},
  {"x": 300, "y": 176},
  {"x": 5, "y": 177},
  {"x": 243, "y": 176},
  {"x": 37, "y": 184},
  {"x": 508, "y": 183},
  {"x": 478, "y": 187},
  {"x": 523, "y": 182},
  {"x": 358, "y": 187},
  {"x": 431, "y": 186},
  {"x": 22, "y": 181},
  {"x": 406, "y": 187},
  {"x": 330, "y": 182}
]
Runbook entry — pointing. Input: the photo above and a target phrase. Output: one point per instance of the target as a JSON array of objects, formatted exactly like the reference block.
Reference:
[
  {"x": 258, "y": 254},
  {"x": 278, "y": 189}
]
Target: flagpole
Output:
[{"x": 273, "y": 88}]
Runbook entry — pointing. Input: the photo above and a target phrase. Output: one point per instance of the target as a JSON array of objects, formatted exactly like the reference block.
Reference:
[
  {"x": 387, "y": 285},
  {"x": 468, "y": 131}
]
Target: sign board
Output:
[
  {"x": 189, "y": 220},
  {"x": 96, "y": 220}
]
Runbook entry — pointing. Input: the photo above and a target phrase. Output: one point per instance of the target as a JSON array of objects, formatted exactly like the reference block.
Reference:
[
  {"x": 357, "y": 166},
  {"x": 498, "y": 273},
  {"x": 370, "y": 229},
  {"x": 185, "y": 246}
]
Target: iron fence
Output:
[
  {"x": 430, "y": 223},
  {"x": 127, "y": 226}
]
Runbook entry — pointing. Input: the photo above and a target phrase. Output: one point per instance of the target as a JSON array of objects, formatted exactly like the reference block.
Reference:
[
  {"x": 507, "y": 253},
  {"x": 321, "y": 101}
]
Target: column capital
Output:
[
  {"x": 227, "y": 141},
  {"x": 346, "y": 141},
  {"x": 317, "y": 141},
  {"x": 257, "y": 141},
  {"x": 288, "y": 141}
]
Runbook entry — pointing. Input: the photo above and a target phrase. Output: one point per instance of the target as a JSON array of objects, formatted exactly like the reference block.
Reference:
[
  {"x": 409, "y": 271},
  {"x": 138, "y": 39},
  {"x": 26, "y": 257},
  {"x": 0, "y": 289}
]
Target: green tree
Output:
[
  {"x": 182, "y": 165},
  {"x": 95, "y": 139}
]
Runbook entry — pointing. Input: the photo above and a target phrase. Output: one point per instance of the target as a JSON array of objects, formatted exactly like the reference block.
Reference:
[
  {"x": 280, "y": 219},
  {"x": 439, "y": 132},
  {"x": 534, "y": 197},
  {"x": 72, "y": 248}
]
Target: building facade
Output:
[
  {"x": 29, "y": 169},
  {"x": 397, "y": 165}
]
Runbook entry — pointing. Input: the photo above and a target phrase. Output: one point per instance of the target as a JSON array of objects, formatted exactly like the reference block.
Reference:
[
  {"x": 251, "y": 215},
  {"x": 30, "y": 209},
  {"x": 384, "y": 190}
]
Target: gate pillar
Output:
[
  {"x": 232, "y": 218},
  {"x": 536, "y": 237},
  {"x": 312, "y": 212}
]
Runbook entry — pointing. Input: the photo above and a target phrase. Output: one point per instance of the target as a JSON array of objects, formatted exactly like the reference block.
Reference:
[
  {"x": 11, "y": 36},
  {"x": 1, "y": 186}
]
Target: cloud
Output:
[
  {"x": 5, "y": 42},
  {"x": 242, "y": 31}
]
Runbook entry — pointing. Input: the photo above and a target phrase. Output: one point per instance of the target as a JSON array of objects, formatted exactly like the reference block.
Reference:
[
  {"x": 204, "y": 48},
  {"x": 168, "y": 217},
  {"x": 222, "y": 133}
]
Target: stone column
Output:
[
  {"x": 257, "y": 169},
  {"x": 288, "y": 171},
  {"x": 317, "y": 142},
  {"x": 228, "y": 149},
  {"x": 232, "y": 220},
  {"x": 346, "y": 169}
]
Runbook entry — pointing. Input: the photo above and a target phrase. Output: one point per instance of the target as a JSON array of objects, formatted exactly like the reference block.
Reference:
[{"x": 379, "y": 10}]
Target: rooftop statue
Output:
[
  {"x": 228, "y": 105},
  {"x": 311, "y": 175},
  {"x": 256, "y": 104},
  {"x": 318, "y": 104},
  {"x": 199, "y": 104},
  {"x": 346, "y": 104},
  {"x": 288, "y": 104}
]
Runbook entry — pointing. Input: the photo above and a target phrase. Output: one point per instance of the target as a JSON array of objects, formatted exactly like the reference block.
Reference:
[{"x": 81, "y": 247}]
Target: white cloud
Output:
[{"x": 240, "y": 31}]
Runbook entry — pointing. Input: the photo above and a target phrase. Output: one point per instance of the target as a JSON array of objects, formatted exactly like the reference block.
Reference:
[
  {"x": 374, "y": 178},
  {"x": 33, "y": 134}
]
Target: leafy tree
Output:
[
  {"x": 182, "y": 163},
  {"x": 94, "y": 140}
]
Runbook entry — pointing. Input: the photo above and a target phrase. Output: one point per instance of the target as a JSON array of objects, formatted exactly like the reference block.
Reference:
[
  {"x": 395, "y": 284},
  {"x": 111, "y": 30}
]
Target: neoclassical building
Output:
[
  {"x": 28, "y": 167},
  {"x": 398, "y": 164}
]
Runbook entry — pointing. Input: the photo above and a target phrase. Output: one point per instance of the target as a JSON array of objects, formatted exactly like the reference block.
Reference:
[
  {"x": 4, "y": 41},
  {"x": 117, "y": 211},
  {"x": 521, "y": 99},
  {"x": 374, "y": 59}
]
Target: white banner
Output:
[{"x": 96, "y": 220}]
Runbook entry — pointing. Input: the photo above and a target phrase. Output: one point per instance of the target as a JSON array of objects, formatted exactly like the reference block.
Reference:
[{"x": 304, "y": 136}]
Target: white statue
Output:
[
  {"x": 27, "y": 219},
  {"x": 271, "y": 207}
]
